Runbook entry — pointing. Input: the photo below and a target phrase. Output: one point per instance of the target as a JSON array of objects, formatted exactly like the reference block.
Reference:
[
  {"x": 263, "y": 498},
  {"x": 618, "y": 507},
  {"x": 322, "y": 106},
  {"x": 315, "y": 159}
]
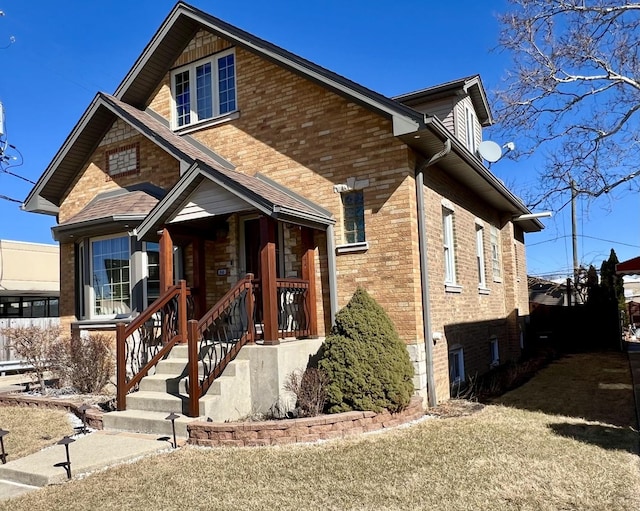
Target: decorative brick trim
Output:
[
  {"x": 289, "y": 431},
  {"x": 94, "y": 416}
]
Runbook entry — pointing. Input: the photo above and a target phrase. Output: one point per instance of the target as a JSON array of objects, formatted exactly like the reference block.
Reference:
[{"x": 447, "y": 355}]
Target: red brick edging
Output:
[
  {"x": 289, "y": 431},
  {"x": 94, "y": 415}
]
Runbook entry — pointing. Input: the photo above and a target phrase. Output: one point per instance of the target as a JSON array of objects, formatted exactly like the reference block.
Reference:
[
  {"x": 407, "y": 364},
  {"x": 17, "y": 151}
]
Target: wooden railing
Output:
[
  {"x": 145, "y": 341},
  {"x": 216, "y": 339},
  {"x": 294, "y": 309}
]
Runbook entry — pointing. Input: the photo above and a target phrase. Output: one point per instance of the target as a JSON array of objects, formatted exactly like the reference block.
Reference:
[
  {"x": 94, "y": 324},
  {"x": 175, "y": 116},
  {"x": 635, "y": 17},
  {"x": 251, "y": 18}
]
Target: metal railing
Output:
[
  {"x": 145, "y": 341},
  {"x": 293, "y": 309},
  {"x": 216, "y": 339}
]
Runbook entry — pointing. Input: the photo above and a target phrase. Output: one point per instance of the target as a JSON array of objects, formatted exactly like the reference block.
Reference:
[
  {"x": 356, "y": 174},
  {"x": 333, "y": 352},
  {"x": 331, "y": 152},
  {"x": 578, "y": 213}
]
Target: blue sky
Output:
[{"x": 64, "y": 52}]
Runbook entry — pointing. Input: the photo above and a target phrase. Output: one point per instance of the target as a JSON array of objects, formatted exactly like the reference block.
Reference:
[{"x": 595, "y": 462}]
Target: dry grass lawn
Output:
[
  {"x": 32, "y": 429},
  {"x": 564, "y": 441}
]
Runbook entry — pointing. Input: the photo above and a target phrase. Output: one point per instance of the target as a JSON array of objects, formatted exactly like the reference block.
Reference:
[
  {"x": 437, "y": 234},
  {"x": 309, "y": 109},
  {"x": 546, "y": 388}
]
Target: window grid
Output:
[
  {"x": 470, "y": 132},
  {"x": 448, "y": 246},
  {"x": 353, "y": 205},
  {"x": 209, "y": 96},
  {"x": 227, "y": 84}
]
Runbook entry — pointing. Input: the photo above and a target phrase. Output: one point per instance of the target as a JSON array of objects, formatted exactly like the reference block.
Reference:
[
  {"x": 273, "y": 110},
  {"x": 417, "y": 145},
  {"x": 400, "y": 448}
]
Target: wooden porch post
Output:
[
  {"x": 166, "y": 260},
  {"x": 268, "y": 278},
  {"x": 309, "y": 274},
  {"x": 199, "y": 277}
]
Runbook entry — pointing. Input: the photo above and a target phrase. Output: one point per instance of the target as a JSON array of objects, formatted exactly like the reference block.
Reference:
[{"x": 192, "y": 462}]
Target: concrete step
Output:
[
  {"x": 9, "y": 489},
  {"x": 157, "y": 402},
  {"x": 140, "y": 421}
]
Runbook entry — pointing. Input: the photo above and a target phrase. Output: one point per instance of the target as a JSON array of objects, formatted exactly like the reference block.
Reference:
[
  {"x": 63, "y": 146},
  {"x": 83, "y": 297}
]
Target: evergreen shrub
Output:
[{"x": 367, "y": 364}]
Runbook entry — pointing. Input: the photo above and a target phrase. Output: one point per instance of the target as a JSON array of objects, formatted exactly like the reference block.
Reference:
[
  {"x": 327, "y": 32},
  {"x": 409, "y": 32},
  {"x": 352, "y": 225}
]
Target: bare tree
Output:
[{"x": 573, "y": 92}]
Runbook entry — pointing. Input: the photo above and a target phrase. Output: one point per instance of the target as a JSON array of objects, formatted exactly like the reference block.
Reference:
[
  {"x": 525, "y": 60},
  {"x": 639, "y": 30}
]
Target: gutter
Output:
[{"x": 424, "y": 270}]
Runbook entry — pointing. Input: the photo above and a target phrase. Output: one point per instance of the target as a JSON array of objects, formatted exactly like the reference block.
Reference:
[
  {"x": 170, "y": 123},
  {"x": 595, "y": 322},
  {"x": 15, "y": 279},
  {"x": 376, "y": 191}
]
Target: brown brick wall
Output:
[{"x": 309, "y": 139}]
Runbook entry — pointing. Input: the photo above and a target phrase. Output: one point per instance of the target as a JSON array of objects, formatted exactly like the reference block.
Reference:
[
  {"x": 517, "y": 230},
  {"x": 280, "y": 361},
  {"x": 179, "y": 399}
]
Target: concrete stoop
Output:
[{"x": 164, "y": 392}]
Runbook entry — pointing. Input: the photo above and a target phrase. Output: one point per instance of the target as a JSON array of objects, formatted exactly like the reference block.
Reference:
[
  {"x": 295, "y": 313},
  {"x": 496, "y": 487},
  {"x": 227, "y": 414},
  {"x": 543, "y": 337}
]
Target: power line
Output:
[{"x": 583, "y": 236}]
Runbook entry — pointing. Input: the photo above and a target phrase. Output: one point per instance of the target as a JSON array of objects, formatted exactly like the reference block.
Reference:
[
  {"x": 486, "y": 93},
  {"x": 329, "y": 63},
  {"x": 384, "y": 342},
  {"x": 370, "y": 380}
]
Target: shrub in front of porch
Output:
[{"x": 367, "y": 364}]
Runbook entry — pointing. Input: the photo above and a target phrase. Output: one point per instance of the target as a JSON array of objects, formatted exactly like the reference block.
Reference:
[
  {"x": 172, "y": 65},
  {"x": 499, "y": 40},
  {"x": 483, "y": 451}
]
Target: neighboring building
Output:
[
  {"x": 546, "y": 292},
  {"x": 221, "y": 154},
  {"x": 29, "y": 290},
  {"x": 29, "y": 280}
]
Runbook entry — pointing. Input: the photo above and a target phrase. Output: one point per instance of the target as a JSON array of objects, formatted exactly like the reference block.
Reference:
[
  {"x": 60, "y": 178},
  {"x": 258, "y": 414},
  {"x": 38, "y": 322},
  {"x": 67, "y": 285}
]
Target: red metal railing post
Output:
[
  {"x": 251, "y": 325},
  {"x": 194, "y": 381},
  {"x": 121, "y": 370},
  {"x": 182, "y": 312}
]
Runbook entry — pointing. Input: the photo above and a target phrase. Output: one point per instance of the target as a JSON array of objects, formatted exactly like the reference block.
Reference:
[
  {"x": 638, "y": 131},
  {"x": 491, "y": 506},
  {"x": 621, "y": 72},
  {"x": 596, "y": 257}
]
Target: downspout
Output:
[
  {"x": 333, "y": 273},
  {"x": 424, "y": 270}
]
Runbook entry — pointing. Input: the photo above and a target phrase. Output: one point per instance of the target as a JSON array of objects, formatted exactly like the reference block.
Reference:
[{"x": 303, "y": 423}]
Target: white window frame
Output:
[
  {"x": 448, "y": 243},
  {"x": 480, "y": 262},
  {"x": 496, "y": 253},
  {"x": 456, "y": 378},
  {"x": 215, "y": 92},
  {"x": 470, "y": 130},
  {"x": 90, "y": 285},
  {"x": 494, "y": 350}
]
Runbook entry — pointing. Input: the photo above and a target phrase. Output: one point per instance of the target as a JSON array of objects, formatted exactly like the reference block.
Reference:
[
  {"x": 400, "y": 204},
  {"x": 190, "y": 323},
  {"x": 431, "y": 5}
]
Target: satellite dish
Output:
[{"x": 490, "y": 151}]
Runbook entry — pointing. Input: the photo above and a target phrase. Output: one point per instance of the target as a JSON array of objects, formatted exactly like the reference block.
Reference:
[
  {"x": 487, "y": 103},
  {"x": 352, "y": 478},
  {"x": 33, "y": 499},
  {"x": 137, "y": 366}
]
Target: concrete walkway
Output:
[{"x": 88, "y": 453}]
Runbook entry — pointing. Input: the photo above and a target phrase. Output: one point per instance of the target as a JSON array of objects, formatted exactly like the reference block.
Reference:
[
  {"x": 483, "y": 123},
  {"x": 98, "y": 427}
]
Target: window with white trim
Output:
[
  {"x": 448, "y": 246},
  {"x": 204, "y": 89},
  {"x": 496, "y": 263},
  {"x": 470, "y": 130},
  {"x": 110, "y": 276},
  {"x": 494, "y": 350},
  {"x": 456, "y": 366},
  {"x": 482, "y": 283}
]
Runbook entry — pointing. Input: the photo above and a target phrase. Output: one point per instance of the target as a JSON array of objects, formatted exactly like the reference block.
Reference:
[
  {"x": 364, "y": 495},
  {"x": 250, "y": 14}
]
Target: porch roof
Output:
[
  {"x": 116, "y": 209},
  {"x": 253, "y": 192}
]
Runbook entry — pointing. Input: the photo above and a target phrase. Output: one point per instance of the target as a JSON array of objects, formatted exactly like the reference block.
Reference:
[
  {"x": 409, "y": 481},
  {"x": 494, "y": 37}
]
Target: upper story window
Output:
[
  {"x": 470, "y": 123},
  {"x": 449, "y": 247},
  {"x": 204, "y": 89}
]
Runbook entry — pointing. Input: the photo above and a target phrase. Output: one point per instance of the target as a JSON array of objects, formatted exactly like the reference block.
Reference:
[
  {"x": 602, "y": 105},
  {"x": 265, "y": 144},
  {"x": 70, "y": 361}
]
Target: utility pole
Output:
[{"x": 574, "y": 231}]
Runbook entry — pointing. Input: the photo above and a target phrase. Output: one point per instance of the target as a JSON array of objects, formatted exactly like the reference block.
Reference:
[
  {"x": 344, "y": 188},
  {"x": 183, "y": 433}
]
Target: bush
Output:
[
  {"x": 310, "y": 388},
  {"x": 37, "y": 346},
  {"x": 87, "y": 364},
  {"x": 367, "y": 364}
]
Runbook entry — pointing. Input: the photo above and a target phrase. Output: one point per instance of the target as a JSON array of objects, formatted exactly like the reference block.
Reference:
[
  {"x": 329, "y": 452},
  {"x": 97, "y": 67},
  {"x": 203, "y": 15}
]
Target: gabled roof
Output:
[
  {"x": 184, "y": 21},
  {"x": 46, "y": 195},
  {"x": 471, "y": 85},
  {"x": 256, "y": 191},
  {"x": 424, "y": 134}
]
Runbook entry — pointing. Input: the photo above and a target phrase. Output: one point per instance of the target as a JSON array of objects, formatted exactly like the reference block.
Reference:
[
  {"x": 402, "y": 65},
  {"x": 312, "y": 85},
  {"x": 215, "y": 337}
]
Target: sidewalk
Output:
[{"x": 88, "y": 453}]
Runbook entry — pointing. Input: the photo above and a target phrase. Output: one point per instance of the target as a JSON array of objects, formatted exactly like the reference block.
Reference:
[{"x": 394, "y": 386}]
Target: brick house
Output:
[{"x": 222, "y": 155}]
